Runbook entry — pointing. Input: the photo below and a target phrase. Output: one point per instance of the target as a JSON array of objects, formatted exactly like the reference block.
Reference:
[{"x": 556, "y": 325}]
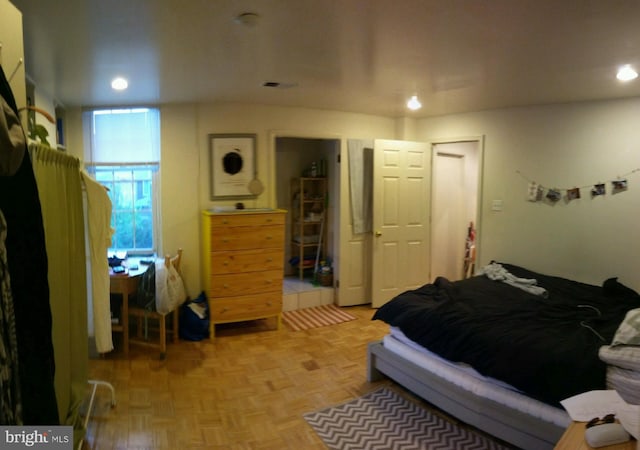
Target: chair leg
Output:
[
  {"x": 163, "y": 336},
  {"x": 176, "y": 330}
]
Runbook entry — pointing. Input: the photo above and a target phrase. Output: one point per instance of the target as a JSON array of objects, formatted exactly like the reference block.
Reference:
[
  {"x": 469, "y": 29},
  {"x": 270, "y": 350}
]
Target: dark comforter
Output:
[{"x": 545, "y": 347}]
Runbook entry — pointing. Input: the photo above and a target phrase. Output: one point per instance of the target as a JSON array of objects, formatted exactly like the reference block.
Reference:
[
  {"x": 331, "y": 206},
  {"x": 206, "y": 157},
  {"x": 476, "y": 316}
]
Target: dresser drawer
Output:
[
  {"x": 234, "y": 284},
  {"x": 242, "y": 238},
  {"x": 247, "y": 307},
  {"x": 246, "y": 220},
  {"x": 246, "y": 261}
]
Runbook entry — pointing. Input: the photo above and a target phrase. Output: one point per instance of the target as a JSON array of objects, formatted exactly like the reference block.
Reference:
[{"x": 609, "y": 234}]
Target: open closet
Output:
[
  {"x": 307, "y": 187},
  {"x": 295, "y": 159}
]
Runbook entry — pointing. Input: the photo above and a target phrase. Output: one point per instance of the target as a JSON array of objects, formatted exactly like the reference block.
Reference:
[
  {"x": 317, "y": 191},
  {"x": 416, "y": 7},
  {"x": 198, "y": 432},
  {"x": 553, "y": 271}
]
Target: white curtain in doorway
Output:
[
  {"x": 59, "y": 187},
  {"x": 361, "y": 184}
]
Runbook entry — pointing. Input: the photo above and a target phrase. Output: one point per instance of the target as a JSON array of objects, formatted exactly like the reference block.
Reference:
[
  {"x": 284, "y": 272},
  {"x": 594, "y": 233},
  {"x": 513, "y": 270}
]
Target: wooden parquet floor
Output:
[{"x": 246, "y": 389}]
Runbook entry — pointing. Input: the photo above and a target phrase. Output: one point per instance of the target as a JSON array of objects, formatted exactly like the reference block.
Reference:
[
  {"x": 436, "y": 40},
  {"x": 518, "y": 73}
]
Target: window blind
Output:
[{"x": 116, "y": 136}]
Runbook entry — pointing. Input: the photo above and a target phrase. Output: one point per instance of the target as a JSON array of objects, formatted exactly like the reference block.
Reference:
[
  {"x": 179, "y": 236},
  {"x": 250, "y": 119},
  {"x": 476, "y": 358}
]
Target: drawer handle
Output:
[
  {"x": 225, "y": 221},
  {"x": 225, "y": 240},
  {"x": 226, "y": 286},
  {"x": 269, "y": 259},
  {"x": 269, "y": 220},
  {"x": 224, "y": 310},
  {"x": 226, "y": 263},
  {"x": 269, "y": 237},
  {"x": 268, "y": 303},
  {"x": 269, "y": 281}
]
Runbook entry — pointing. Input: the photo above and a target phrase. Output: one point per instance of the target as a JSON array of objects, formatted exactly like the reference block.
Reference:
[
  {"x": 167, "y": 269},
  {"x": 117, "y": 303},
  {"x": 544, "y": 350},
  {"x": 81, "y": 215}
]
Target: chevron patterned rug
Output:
[
  {"x": 314, "y": 317},
  {"x": 383, "y": 420}
]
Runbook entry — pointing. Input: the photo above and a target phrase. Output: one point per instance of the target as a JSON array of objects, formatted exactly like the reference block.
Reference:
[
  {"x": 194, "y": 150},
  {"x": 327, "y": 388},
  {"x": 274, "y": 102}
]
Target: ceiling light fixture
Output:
[
  {"x": 626, "y": 73},
  {"x": 277, "y": 84},
  {"x": 119, "y": 84},
  {"x": 414, "y": 104},
  {"x": 247, "y": 19}
]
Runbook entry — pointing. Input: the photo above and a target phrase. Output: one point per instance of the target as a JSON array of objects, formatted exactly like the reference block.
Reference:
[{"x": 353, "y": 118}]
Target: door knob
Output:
[{"x": 378, "y": 233}]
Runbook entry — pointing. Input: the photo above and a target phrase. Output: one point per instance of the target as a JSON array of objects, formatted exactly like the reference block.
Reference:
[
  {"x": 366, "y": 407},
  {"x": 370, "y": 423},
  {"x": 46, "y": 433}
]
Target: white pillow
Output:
[
  {"x": 628, "y": 332},
  {"x": 624, "y": 356},
  {"x": 625, "y": 382}
]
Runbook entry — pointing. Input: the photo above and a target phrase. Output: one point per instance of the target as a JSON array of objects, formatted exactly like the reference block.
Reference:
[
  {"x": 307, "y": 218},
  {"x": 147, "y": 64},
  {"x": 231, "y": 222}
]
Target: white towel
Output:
[{"x": 496, "y": 272}]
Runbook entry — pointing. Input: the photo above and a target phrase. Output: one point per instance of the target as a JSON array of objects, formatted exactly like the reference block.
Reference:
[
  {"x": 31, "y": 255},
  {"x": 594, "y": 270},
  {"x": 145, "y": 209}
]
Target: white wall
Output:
[{"x": 562, "y": 146}]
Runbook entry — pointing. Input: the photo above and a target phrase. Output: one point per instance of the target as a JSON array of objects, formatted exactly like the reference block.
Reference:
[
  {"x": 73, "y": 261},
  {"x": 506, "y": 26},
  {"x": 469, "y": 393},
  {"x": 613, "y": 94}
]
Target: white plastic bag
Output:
[{"x": 170, "y": 292}]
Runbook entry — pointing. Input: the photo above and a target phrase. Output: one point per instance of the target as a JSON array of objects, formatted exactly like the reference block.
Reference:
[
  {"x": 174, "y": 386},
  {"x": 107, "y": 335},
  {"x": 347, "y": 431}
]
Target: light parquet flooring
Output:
[{"x": 246, "y": 389}]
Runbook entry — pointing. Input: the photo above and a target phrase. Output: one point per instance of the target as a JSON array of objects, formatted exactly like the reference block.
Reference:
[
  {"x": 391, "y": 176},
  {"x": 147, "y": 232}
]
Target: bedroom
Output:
[{"x": 561, "y": 145}]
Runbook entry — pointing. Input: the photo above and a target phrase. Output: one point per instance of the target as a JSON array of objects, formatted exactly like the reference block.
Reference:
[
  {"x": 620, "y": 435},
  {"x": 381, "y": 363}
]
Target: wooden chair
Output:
[{"x": 158, "y": 322}]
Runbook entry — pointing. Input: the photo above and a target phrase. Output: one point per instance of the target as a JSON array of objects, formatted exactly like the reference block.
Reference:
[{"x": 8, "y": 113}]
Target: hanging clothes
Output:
[
  {"x": 10, "y": 404},
  {"x": 100, "y": 232},
  {"x": 361, "y": 184},
  {"x": 27, "y": 263}
]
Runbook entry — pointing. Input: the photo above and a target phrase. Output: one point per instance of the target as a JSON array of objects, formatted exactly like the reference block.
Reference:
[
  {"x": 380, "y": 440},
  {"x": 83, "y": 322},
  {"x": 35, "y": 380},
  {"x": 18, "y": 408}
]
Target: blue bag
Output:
[{"x": 194, "y": 319}]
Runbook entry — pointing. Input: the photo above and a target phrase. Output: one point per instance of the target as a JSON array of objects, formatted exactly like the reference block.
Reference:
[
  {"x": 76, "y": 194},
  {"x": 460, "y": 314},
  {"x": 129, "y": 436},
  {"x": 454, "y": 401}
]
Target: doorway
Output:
[
  {"x": 294, "y": 158},
  {"x": 454, "y": 206},
  {"x": 426, "y": 168}
]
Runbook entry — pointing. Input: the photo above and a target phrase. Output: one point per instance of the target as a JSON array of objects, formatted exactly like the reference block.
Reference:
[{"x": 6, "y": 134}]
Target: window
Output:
[{"x": 122, "y": 148}]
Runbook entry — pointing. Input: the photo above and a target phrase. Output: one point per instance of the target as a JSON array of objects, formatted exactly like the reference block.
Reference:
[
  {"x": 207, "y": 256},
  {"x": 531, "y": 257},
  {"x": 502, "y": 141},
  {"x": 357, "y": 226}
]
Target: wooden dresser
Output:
[{"x": 243, "y": 264}]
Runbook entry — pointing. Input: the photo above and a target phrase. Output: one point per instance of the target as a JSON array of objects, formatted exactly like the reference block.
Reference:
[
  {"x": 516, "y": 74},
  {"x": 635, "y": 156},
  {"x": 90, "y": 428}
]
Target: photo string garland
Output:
[{"x": 537, "y": 192}]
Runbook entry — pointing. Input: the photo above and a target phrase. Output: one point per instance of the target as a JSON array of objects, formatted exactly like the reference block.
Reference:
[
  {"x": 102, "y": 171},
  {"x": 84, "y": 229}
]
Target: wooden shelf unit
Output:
[{"x": 308, "y": 221}]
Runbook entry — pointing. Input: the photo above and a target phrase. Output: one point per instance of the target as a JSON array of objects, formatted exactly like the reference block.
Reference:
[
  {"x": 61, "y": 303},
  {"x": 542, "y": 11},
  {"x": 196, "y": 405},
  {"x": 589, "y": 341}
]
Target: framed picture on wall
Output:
[{"x": 233, "y": 165}]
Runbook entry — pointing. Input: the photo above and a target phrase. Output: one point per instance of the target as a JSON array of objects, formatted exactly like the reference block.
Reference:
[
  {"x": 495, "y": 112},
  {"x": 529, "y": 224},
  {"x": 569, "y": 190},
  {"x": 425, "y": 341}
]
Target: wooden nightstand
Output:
[{"x": 573, "y": 439}]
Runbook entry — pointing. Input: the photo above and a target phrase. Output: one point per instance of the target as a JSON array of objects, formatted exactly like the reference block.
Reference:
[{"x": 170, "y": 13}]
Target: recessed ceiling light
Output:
[
  {"x": 414, "y": 104},
  {"x": 626, "y": 73},
  {"x": 119, "y": 84}
]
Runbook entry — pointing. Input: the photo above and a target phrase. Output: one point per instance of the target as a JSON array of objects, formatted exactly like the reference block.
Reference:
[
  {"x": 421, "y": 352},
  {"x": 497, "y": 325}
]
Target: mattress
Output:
[{"x": 467, "y": 378}]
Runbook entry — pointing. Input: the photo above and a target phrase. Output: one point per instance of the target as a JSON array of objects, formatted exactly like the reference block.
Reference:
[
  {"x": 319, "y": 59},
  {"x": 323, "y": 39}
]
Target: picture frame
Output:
[{"x": 232, "y": 165}]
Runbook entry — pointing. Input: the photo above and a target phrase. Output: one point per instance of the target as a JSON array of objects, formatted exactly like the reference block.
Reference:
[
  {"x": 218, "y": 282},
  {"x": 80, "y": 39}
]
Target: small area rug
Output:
[
  {"x": 314, "y": 317},
  {"x": 383, "y": 420}
]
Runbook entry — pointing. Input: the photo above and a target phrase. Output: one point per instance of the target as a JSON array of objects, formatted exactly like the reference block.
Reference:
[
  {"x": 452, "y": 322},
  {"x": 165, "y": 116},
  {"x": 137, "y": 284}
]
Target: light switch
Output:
[{"x": 496, "y": 205}]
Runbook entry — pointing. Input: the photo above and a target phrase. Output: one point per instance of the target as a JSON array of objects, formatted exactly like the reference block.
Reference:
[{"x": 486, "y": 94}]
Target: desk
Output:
[
  {"x": 573, "y": 439},
  {"x": 124, "y": 284}
]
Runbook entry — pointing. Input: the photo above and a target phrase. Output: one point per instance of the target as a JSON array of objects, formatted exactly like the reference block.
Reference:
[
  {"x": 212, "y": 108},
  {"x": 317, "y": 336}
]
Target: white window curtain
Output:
[{"x": 99, "y": 232}]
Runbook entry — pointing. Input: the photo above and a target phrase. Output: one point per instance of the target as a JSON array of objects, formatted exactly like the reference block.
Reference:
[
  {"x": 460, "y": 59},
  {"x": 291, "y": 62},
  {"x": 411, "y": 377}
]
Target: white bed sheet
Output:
[{"x": 468, "y": 378}]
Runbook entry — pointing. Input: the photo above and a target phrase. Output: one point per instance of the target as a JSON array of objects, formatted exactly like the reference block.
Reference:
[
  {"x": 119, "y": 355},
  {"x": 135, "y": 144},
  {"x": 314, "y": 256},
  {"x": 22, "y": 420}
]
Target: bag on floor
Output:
[{"x": 194, "y": 319}]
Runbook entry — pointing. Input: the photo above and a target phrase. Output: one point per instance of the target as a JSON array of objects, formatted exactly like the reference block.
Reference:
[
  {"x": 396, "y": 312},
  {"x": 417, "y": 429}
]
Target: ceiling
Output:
[{"x": 349, "y": 55}]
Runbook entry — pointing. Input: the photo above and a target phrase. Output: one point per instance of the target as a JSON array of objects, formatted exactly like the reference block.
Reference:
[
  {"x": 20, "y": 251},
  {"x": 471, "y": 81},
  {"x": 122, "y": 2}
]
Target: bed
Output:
[{"x": 501, "y": 350}]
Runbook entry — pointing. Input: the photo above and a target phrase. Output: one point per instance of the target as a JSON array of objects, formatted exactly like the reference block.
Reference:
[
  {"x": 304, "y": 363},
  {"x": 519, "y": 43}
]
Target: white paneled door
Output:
[
  {"x": 454, "y": 204},
  {"x": 449, "y": 223},
  {"x": 401, "y": 203}
]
